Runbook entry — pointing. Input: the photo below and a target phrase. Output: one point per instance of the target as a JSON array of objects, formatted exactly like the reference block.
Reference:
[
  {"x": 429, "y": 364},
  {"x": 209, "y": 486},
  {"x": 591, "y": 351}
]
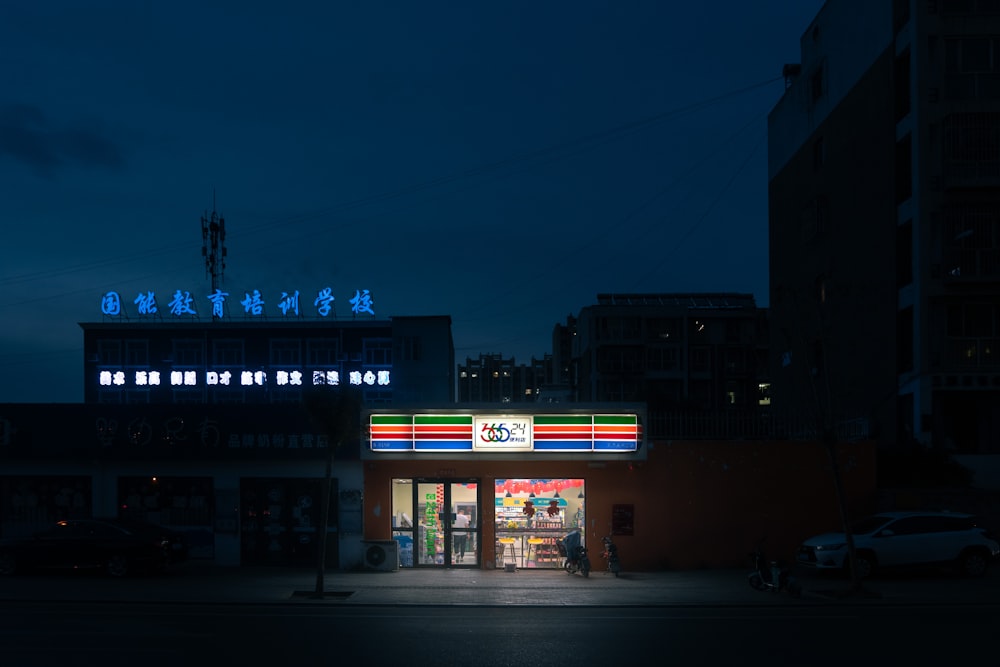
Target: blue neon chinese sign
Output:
[{"x": 254, "y": 303}]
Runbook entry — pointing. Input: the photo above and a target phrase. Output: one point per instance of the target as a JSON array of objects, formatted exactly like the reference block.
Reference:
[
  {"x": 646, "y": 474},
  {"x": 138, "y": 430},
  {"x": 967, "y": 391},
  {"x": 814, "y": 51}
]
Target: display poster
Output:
[{"x": 622, "y": 519}]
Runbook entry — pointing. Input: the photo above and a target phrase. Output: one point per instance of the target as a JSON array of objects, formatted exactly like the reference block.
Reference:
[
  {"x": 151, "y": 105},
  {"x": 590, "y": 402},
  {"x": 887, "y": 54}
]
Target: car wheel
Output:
[
  {"x": 756, "y": 582},
  {"x": 973, "y": 564},
  {"x": 865, "y": 564},
  {"x": 8, "y": 564},
  {"x": 117, "y": 565}
]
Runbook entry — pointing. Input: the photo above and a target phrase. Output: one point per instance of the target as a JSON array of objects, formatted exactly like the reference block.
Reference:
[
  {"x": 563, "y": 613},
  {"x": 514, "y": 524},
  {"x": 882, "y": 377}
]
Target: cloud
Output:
[{"x": 29, "y": 137}]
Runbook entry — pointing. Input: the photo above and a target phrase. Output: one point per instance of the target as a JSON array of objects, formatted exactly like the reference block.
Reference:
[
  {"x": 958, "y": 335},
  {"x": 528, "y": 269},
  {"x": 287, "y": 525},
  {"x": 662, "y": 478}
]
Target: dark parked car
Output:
[{"x": 116, "y": 546}]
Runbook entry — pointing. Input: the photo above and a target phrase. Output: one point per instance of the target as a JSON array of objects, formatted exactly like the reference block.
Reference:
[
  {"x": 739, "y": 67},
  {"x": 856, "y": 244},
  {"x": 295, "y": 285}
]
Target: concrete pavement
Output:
[{"x": 205, "y": 583}]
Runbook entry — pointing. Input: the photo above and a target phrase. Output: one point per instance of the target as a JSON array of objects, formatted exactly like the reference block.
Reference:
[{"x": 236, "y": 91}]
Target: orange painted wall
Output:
[{"x": 697, "y": 504}]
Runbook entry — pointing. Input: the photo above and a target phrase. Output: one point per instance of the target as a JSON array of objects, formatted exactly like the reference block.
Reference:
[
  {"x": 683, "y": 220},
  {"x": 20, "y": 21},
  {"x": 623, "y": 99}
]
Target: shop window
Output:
[
  {"x": 168, "y": 501},
  {"x": 531, "y": 515},
  {"x": 31, "y": 503}
]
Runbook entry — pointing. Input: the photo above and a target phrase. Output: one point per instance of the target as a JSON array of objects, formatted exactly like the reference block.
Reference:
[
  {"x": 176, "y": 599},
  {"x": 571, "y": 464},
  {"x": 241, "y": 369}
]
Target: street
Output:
[{"x": 36, "y": 634}]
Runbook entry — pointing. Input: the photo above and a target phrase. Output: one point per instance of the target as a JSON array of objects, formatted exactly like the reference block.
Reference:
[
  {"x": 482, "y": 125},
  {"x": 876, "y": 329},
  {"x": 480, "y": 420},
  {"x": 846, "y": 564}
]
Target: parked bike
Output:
[
  {"x": 610, "y": 555},
  {"x": 575, "y": 554},
  {"x": 771, "y": 575}
]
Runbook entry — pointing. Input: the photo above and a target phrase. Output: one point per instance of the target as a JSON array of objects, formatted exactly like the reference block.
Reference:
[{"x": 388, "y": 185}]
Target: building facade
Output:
[
  {"x": 219, "y": 429},
  {"x": 396, "y": 361},
  {"x": 493, "y": 379},
  {"x": 884, "y": 191},
  {"x": 700, "y": 353}
]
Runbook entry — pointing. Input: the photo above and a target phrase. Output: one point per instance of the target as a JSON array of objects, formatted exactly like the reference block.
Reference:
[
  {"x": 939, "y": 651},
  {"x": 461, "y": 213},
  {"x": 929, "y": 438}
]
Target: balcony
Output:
[{"x": 972, "y": 353}]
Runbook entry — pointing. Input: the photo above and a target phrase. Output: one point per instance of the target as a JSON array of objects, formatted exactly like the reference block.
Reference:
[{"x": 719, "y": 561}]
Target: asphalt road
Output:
[{"x": 44, "y": 634}]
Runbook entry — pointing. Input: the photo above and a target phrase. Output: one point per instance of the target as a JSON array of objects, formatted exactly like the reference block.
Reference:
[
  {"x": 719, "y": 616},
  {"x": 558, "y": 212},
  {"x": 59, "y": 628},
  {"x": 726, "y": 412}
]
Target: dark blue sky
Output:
[{"x": 499, "y": 162}]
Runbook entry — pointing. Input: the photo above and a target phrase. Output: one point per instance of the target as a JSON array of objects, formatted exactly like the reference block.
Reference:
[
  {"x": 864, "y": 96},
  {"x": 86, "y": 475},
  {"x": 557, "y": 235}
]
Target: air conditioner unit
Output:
[{"x": 381, "y": 555}]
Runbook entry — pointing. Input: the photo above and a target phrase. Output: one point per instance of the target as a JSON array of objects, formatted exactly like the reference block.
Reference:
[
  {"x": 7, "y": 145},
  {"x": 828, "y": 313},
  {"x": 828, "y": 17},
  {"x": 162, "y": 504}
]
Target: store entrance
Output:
[{"x": 437, "y": 523}]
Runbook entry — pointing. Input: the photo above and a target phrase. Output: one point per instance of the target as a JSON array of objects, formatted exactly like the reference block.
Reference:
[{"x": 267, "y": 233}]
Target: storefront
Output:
[{"x": 478, "y": 489}]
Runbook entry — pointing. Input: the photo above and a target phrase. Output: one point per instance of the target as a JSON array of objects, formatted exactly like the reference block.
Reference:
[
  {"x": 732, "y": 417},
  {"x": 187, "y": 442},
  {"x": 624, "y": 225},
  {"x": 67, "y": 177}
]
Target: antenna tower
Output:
[{"x": 213, "y": 248}]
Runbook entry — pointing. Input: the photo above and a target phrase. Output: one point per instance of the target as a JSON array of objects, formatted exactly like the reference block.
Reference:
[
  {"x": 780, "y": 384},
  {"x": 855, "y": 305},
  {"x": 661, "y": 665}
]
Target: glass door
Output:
[{"x": 447, "y": 530}]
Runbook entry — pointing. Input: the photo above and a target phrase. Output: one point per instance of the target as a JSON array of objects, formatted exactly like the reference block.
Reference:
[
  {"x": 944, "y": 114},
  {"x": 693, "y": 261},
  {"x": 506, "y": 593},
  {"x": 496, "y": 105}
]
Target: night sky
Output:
[{"x": 498, "y": 162}]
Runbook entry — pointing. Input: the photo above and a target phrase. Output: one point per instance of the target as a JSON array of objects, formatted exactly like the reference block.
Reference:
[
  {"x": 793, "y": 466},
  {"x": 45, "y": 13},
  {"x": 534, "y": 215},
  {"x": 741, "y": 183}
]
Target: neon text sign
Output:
[{"x": 254, "y": 304}]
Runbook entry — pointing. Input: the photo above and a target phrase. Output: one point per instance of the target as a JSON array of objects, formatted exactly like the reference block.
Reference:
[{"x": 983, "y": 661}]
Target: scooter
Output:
[
  {"x": 771, "y": 575},
  {"x": 575, "y": 554},
  {"x": 610, "y": 555}
]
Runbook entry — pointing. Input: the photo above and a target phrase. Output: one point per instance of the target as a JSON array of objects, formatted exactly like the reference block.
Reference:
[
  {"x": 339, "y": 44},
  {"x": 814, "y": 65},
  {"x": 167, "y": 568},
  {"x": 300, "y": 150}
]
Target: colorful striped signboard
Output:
[{"x": 549, "y": 433}]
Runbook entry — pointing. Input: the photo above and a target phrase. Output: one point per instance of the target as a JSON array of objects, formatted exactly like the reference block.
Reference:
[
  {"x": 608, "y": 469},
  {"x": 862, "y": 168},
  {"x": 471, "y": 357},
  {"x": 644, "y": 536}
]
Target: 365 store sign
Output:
[{"x": 484, "y": 432}]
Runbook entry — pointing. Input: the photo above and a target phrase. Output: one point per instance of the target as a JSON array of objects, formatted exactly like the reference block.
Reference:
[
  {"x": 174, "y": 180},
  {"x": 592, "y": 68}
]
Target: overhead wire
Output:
[{"x": 526, "y": 161}]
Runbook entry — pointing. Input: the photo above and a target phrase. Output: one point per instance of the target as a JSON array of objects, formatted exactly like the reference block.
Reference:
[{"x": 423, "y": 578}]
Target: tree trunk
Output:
[
  {"x": 830, "y": 441},
  {"x": 321, "y": 531}
]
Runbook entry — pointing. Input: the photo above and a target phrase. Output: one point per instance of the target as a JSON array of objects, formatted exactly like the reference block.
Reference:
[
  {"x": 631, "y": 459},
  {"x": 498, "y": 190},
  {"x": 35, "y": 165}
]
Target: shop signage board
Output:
[{"x": 484, "y": 432}]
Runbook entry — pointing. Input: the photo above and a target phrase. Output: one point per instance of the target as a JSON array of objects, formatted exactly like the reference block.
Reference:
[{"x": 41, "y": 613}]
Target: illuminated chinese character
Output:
[
  {"x": 105, "y": 378},
  {"x": 211, "y": 378},
  {"x": 218, "y": 301},
  {"x": 259, "y": 378},
  {"x": 181, "y": 305},
  {"x": 111, "y": 304},
  {"x": 146, "y": 303},
  {"x": 295, "y": 378},
  {"x": 225, "y": 377},
  {"x": 141, "y": 378},
  {"x": 246, "y": 378},
  {"x": 281, "y": 377},
  {"x": 362, "y": 302},
  {"x": 369, "y": 378},
  {"x": 119, "y": 378},
  {"x": 190, "y": 378},
  {"x": 383, "y": 377},
  {"x": 289, "y": 302},
  {"x": 323, "y": 301},
  {"x": 355, "y": 377},
  {"x": 154, "y": 378},
  {"x": 176, "y": 378},
  {"x": 252, "y": 304}
]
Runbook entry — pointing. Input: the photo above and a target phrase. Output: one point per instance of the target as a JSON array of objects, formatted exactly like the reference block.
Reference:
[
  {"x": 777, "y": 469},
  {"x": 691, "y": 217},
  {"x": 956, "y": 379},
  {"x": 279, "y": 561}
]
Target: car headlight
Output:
[{"x": 835, "y": 546}]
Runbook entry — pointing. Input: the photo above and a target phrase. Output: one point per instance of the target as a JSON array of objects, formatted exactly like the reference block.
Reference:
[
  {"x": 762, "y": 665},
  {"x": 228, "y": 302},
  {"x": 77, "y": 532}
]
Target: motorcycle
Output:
[
  {"x": 610, "y": 555},
  {"x": 771, "y": 575},
  {"x": 575, "y": 554}
]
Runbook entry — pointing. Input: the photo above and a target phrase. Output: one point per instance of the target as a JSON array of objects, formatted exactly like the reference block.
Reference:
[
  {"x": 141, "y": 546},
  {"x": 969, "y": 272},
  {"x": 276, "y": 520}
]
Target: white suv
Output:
[{"x": 891, "y": 539}]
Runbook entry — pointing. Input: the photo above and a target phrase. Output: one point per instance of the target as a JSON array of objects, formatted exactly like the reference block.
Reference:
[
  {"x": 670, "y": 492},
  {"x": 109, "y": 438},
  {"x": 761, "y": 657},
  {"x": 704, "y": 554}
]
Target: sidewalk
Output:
[{"x": 205, "y": 583}]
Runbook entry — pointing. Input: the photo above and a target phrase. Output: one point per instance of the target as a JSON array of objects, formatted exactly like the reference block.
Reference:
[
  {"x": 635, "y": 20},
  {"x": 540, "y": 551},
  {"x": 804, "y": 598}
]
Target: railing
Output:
[
  {"x": 973, "y": 353},
  {"x": 745, "y": 425}
]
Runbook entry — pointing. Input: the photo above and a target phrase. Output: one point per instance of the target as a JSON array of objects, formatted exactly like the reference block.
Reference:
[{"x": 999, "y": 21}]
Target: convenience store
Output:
[{"x": 523, "y": 478}]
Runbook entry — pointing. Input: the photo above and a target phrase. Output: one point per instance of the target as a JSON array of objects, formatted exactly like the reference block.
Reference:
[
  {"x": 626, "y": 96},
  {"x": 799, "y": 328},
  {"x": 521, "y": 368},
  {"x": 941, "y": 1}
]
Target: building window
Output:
[
  {"x": 322, "y": 351},
  {"x": 378, "y": 351},
  {"x": 228, "y": 353},
  {"x": 734, "y": 394},
  {"x": 137, "y": 353},
  {"x": 819, "y": 154},
  {"x": 662, "y": 328},
  {"x": 188, "y": 353},
  {"x": 904, "y": 169},
  {"x": 701, "y": 359},
  {"x": 904, "y": 254},
  {"x": 904, "y": 340},
  {"x": 409, "y": 348},
  {"x": 661, "y": 358},
  {"x": 286, "y": 352},
  {"x": 971, "y": 68},
  {"x": 109, "y": 353},
  {"x": 736, "y": 361},
  {"x": 816, "y": 85},
  {"x": 901, "y": 85}
]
